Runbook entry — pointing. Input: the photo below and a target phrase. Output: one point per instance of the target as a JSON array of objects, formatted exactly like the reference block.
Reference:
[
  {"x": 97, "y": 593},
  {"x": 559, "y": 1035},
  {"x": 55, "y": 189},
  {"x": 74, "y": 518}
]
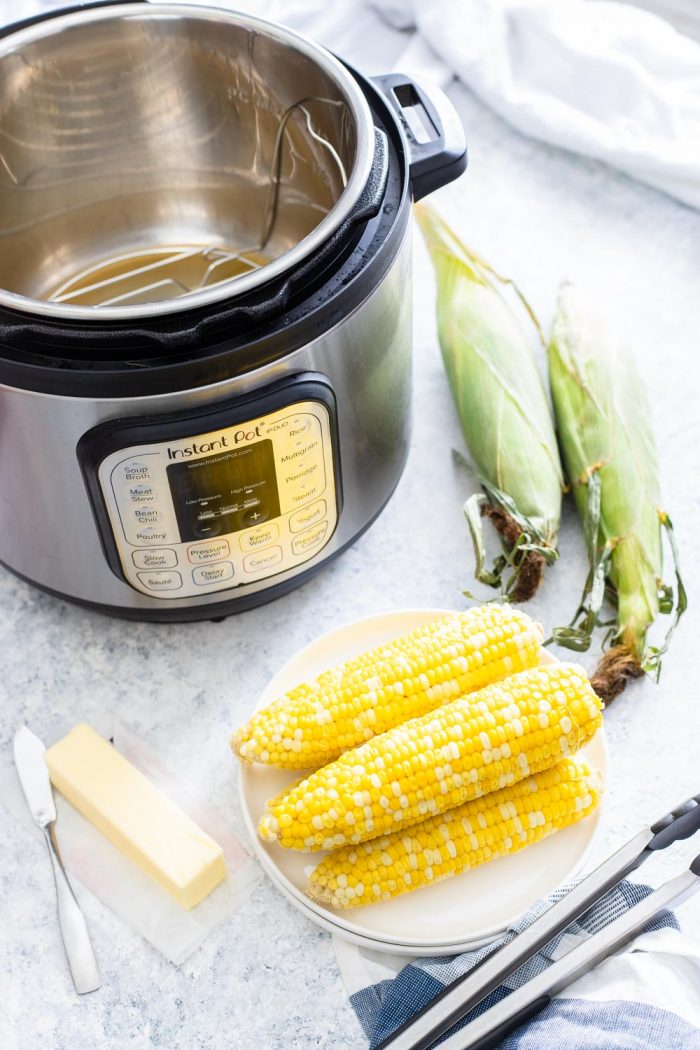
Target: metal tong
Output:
[{"x": 459, "y": 997}]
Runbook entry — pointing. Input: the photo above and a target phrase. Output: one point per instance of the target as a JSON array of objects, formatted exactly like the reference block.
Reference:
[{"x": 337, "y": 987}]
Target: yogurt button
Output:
[{"x": 303, "y": 519}]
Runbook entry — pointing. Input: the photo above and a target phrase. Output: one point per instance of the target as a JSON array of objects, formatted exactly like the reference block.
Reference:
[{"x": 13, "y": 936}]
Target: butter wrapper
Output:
[{"x": 101, "y": 868}]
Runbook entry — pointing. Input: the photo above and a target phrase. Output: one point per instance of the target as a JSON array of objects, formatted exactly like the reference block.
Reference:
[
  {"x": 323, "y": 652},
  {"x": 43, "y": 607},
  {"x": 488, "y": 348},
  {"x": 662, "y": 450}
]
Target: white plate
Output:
[{"x": 461, "y": 912}]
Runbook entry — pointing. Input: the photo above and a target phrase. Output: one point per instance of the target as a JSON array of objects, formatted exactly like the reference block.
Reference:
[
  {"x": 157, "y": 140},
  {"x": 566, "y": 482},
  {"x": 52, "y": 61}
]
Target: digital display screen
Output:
[{"x": 232, "y": 490}]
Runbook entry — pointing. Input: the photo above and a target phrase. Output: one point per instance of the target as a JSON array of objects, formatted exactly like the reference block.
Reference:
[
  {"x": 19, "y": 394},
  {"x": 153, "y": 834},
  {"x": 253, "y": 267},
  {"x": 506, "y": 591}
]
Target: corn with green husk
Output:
[
  {"x": 608, "y": 449},
  {"x": 487, "y": 348}
]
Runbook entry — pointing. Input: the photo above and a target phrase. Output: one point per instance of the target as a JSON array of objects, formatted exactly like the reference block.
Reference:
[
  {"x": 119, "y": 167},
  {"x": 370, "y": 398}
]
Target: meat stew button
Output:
[{"x": 312, "y": 538}]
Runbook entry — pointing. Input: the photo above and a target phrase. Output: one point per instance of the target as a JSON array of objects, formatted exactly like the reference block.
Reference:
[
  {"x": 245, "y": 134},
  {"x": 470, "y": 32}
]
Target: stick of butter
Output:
[{"x": 133, "y": 814}]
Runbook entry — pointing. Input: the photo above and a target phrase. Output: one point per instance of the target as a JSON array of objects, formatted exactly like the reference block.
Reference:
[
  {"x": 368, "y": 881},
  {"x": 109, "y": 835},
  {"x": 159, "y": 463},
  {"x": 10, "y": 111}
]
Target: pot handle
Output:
[{"x": 437, "y": 147}]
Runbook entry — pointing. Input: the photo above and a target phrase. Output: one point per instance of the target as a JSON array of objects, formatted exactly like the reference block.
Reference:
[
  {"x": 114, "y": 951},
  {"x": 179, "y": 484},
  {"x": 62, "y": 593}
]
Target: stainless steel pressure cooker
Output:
[{"x": 205, "y": 303}]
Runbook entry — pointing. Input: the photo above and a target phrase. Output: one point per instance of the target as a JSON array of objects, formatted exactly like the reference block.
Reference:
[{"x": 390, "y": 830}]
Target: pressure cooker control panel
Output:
[{"x": 231, "y": 505}]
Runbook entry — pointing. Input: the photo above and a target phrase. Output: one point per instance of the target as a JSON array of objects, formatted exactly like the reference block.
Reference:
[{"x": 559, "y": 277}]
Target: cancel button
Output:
[{"x": 309, "y": 540}]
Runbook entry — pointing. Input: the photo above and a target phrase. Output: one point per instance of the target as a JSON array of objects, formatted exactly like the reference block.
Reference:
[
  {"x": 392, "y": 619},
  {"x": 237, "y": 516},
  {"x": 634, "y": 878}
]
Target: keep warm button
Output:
[
  {"x": 261, "y": 537},
  {"x": 309, "y": 540}
]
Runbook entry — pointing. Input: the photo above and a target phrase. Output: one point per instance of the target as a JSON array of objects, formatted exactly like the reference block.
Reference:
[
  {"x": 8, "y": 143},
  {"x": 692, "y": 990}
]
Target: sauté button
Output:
[
  {"x": 264, "y": 560},
  {"x": 214, "y": 551},
  {"x": 222, "y": 570},
  {"x": 303, "y": 519},
  {"x": 159, "y": 558},
  {"x": 306, "y": 541},
  {"x": 258, "y": 538},
  {"x": 161, "y": 581}
]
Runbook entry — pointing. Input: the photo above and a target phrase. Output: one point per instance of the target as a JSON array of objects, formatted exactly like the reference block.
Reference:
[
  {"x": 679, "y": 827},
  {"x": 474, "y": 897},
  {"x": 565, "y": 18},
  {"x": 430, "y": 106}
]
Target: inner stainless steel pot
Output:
[{"x": 154, "y": 158}]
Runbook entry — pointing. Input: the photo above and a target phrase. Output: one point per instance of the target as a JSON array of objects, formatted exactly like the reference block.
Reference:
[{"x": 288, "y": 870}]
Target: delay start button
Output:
[
  {"x": 213, "y": 551},
  {"x": 161, "y": 581},
  {"x": 205, "y": 574},
  {"x": 309, "y": 540}
]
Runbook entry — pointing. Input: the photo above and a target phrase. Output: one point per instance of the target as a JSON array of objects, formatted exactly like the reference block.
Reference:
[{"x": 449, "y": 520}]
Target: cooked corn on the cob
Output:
[
  {"x": 501, "y": 823},
  {"x": 410, "y": 676},
  {"x": 467, "y": 748}
]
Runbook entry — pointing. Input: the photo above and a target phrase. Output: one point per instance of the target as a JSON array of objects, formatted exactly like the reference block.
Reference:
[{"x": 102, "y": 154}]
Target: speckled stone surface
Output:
[{"x": 267, "y": 979}]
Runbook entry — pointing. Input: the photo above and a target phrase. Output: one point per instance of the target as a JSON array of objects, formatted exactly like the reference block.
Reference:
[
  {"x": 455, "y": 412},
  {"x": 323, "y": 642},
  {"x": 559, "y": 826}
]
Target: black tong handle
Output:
[{"x": 680, "y": 823}]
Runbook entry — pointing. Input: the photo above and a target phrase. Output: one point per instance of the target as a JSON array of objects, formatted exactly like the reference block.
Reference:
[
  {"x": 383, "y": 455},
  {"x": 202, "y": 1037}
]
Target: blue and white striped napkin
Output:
[{"x": 646, "y": 996}]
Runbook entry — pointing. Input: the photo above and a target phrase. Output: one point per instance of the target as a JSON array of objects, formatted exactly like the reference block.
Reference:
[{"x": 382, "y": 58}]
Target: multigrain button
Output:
[
  {"x": 303, "y": 519},
  {"x": 214, "y": 551},
  {"x": 161, "y": 581},
  {"x": 258, "y": 538},
  {"x": 263, "y": 560},
  {"x": 161, "y": 558},
  {"x": 309, "y": 540},
  {"x": 205, "y": 574}
]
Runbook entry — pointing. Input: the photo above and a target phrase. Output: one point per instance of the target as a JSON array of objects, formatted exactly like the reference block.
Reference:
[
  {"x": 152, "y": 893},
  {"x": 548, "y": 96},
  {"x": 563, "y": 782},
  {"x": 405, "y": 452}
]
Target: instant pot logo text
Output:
[{"x": 229, "y": 440}]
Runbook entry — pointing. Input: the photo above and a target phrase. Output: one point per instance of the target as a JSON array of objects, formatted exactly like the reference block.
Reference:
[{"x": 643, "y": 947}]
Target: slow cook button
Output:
[
  {"x": 258, "y": 538},
  {"x": 263, "y": 560},
  {"x": 212, "y": 573},
  {"x": 303, "y": 519},
  {"x": 214, "y": 551},
  {"x": 307, "y": 541},
  {"x": 161, "y": 581},
  {"x": 155, "y": 559}
]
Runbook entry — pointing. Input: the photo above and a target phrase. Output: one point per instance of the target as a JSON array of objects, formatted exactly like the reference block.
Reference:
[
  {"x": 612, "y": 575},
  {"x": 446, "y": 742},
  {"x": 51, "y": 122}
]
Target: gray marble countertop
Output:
[{"x": 267, "y": 978}]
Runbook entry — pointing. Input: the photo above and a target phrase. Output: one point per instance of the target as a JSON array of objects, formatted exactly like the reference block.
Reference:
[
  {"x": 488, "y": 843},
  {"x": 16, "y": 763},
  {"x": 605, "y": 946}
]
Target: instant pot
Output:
[{"x": 205, "y": 303}]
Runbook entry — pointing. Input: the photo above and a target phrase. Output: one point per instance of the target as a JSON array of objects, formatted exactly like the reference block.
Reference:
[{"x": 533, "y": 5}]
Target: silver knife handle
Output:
[{"x": 74, "y": 931}]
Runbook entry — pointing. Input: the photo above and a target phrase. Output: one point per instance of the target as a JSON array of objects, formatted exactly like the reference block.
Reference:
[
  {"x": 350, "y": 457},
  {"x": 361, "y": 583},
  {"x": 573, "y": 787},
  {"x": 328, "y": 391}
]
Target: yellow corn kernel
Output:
[
  {"x": 467, "y": 748},
  {"x": 345, "y": 706},
  {"x": 496, "y": 825}
]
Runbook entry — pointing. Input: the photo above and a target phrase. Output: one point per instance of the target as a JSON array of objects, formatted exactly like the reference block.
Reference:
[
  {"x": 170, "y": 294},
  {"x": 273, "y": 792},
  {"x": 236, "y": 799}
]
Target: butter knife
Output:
[{"x": 33, "y": 775}]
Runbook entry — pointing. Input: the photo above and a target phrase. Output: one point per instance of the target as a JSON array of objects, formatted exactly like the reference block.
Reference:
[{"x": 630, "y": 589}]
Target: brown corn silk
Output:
[
  {"x": 607, "y": 444},
  {"x": 487, "y": 348}
]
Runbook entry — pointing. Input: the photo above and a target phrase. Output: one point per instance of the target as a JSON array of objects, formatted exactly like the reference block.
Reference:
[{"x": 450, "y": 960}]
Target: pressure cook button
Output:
[
  {"x": 215, "y": 551},
  {"x": 159, "y": 558},
  {"x": 161, "y": 581},
  {"x": 256, "y": 539},
  {"x": 263, "y": 560},
  {"x": 311, "y": 539},
  {"x": 303, "y": 519},
  {"x": 205, "y": 574}
]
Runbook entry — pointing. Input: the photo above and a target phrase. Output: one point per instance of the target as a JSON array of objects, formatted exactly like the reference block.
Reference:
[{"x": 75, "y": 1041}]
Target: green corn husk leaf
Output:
[
  {"x": 607, "y": 443},
  {"x": 487, "y": 349}
]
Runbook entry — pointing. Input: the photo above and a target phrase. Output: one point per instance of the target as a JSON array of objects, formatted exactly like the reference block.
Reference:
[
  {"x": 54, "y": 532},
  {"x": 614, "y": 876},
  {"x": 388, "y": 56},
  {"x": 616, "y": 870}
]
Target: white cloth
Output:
[{"x": 604, "y": 79}]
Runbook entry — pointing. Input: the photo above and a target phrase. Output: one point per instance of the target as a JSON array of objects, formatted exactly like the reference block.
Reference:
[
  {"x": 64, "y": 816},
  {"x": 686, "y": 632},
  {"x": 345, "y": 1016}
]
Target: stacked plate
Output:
[{"x": 452, "y": 916}]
